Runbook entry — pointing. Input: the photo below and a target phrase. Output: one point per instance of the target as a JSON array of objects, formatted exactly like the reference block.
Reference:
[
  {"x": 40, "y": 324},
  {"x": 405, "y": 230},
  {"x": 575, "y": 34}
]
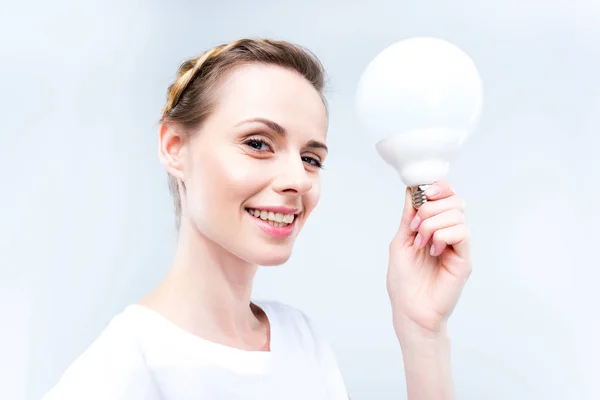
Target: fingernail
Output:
[
  {"x": 432, "y": 250},
  {"x": 415, "y": 223},
  {"x": 432, "y": 191},
  {"x": 418, "y": 240}
]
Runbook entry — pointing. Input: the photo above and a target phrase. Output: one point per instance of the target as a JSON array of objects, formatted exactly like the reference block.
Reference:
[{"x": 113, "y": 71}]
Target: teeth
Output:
[{"x": 275, "y": 219}]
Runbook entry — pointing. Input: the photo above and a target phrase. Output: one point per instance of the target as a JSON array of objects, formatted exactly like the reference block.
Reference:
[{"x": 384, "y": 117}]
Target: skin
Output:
[
  {"x": 229, "y": 164},
  {"x": 430, "y": 263}
]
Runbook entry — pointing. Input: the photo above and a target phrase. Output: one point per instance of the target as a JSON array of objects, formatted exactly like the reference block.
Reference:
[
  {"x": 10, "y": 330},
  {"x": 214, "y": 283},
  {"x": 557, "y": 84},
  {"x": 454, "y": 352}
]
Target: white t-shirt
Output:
[{"x": 142, "y": 355}]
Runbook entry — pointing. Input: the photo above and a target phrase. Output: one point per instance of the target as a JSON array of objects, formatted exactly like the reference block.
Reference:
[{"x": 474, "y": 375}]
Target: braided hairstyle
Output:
[{"x": 190, "y": 97}]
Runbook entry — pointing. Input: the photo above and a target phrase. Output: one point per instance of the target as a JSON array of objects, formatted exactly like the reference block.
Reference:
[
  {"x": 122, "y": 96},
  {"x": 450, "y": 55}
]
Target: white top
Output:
[{"x": 142, "y": 355}]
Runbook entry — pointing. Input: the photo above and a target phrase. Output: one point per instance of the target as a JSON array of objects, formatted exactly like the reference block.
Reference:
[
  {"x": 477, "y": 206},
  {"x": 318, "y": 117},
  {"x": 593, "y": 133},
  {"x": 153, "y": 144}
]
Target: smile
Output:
[{"x": 273, "y": 219}]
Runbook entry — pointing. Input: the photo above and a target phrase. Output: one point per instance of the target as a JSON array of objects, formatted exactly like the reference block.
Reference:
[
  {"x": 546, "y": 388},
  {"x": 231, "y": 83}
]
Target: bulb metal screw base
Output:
[{"x": 418, "y": 195}]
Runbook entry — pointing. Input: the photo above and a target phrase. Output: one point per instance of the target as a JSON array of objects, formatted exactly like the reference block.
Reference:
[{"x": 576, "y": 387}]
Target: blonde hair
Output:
[{"x": 190, "y": 98}]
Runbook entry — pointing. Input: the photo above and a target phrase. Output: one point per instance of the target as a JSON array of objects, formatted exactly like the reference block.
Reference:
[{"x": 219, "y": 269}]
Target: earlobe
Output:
[{"x": 171, "y": 149}]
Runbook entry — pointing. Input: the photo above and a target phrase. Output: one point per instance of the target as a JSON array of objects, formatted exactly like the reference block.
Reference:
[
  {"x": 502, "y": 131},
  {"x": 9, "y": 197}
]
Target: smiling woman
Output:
[{"x": 242, "y": 138}]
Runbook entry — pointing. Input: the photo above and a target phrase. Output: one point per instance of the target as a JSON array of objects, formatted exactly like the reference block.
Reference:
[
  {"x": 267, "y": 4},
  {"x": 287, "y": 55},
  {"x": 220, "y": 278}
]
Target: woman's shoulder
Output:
[{"x": 111, "y": 367}]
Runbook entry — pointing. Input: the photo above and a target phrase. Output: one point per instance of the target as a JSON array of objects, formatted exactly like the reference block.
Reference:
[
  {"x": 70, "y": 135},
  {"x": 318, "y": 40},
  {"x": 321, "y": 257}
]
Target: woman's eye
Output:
[
  {"x": 312, "y": 161},
  {"x": 259, "y": 145}
]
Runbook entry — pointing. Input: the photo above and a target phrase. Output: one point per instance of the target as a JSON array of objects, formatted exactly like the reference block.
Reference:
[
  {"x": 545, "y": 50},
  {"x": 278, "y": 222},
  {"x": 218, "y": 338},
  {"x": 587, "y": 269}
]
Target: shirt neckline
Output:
[{"x": 155, "y": 316}]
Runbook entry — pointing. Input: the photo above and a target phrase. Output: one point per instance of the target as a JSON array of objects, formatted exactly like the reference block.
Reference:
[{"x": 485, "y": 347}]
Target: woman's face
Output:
[{"x": 251, "y": 171}]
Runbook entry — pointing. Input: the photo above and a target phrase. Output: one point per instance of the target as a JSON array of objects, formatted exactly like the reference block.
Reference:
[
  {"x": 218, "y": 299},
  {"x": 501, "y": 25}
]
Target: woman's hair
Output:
[{"x": 190, "y": 99}]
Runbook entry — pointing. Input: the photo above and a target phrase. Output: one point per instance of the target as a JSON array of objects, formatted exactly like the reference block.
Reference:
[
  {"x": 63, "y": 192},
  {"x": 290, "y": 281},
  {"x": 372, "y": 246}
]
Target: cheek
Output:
[{"x": 223, "y": 183}]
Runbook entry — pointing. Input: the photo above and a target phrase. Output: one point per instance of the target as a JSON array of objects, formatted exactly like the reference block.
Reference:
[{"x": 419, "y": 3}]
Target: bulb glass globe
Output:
[{"x": 419, "y": 99}]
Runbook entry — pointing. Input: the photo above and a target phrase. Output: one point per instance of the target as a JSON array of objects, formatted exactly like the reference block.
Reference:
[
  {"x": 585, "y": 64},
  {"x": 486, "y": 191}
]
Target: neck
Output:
[{"x": 208, "y": 292}]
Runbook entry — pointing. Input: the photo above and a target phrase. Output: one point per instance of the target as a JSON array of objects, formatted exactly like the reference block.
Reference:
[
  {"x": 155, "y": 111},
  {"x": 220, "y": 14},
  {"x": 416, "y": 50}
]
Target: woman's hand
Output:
[{"x": 429, "y": 263}]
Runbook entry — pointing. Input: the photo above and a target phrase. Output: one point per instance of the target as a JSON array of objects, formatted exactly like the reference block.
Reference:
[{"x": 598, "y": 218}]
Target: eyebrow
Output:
[{"x": 280, "y": 130}]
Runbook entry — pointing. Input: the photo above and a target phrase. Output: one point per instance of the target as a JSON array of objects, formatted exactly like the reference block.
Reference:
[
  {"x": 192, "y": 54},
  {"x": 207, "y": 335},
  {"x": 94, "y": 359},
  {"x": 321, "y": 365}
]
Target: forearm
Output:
[{"x": 427, "y": 366}]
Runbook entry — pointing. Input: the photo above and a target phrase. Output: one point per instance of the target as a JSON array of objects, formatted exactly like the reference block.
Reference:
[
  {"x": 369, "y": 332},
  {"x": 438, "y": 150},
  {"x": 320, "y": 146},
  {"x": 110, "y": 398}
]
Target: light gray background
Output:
[{"x": 86, "y": 221}]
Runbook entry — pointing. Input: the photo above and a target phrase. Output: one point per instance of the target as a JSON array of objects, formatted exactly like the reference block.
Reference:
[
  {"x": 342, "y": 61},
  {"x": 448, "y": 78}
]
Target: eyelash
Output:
[{"x": 310, "y": 160}]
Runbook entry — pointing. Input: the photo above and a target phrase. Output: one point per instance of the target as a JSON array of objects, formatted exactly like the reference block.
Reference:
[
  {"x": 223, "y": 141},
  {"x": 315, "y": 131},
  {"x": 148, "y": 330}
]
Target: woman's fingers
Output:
[
  {"x": 439, "y": 190},
  {"x": 431, "y": 225},
  {"x": 441, "y": 199},
  {"x": 456, "y": 236},
  {"x": 433, "y": 208}
]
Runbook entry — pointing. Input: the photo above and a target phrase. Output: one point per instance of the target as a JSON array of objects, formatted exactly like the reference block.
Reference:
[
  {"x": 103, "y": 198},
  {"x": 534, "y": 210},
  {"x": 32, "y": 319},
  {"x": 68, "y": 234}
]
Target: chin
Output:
[
  {"x": 268, "y": 256},
  {"x": 274, "y": 259}
]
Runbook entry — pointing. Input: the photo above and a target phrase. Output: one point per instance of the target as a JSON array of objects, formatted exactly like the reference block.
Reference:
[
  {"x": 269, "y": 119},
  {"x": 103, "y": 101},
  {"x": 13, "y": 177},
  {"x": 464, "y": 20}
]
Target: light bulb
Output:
[{"x": 419, "y": 98}]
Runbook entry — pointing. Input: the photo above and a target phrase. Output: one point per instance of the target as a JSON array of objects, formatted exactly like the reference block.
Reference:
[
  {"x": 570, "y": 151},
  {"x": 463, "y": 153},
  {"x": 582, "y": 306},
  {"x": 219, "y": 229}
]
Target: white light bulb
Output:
[{"x": 420, "y": 98}]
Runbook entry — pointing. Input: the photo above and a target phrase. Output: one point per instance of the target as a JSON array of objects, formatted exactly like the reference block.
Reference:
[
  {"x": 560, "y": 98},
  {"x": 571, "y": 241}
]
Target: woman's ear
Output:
[{"x": 171, "y": 150}]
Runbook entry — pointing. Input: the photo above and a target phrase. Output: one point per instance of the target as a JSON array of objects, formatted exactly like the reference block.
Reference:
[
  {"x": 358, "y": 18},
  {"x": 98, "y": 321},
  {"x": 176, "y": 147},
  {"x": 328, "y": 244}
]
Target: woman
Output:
[{"x": 242, "y": 137}]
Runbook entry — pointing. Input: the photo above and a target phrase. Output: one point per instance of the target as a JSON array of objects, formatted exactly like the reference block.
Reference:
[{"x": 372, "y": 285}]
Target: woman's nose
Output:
[{"x": 292, "y": 178}]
